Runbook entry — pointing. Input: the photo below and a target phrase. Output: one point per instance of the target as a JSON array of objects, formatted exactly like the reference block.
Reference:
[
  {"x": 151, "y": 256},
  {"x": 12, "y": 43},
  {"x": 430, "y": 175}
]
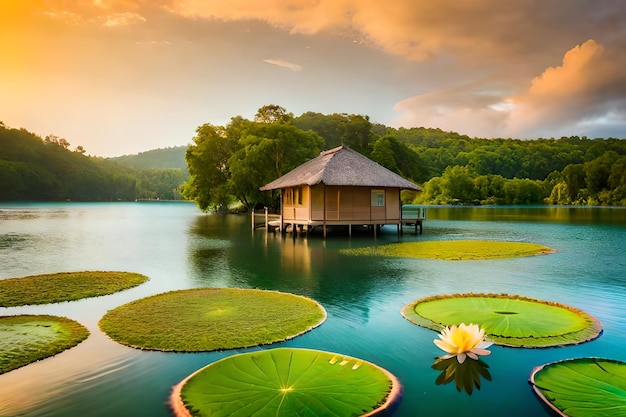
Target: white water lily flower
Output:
[{"x": 462, "y": 341}]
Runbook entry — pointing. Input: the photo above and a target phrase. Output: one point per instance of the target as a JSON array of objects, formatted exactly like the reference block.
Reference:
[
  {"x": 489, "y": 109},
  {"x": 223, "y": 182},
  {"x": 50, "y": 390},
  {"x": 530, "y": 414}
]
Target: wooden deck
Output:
[
  {"x": 265, "y": 220},
  {"x": 412, "y": 216}
]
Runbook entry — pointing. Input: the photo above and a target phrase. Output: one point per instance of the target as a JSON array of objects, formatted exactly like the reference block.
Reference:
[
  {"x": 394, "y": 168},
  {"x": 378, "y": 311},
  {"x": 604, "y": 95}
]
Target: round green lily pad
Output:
[
  {"x": 509, "y": 320},
  {"x": 286, "y": 382},
  {"x": 206, "y": 319},
  {"x": 453, "y": 250},
  {"x": 582, "y": 387},
  {"x": 28, "y": 338},
  {"x": 65, "y": 286}
]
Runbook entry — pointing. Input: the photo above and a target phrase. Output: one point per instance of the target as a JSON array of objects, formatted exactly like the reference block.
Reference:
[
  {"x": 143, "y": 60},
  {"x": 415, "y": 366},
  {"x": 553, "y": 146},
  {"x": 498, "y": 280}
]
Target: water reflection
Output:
[
  {"x": 466, "y": 375},
  {"x": 596, "y": 215},
  {"x": 309, "y": 266},
  {"x": 179, "y": 247}
]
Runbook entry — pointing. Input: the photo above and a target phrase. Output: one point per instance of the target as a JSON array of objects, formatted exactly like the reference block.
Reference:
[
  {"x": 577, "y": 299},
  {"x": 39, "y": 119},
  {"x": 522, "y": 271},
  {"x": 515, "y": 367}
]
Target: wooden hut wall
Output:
[
  {"x": 296, "y": 203},
  {"x": 352, "y": 204},
  {"x": 393, "y": 208}
]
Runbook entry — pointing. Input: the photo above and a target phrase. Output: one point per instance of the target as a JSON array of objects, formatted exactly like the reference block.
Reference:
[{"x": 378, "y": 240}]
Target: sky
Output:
[{"x": 125, "y": 76}]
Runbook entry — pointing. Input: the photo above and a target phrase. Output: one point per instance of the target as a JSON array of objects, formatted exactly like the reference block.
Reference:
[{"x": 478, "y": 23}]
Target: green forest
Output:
[
  {"x": 225, "y": 165},
  {"x": 36, "y": 169},
  {"x": 229, "y": 163}
]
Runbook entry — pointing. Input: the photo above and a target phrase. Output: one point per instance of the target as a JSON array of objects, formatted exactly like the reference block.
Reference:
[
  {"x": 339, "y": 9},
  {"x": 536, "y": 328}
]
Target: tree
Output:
[
  {"x": 208, "y": 166},
  {"x": 266, "y": 152},
  {"x": 490, "y": 189},
  {"x": 231, "y": 163},
  {"x": 356, "y": 133},
  {"x": 328, "y": 127},
  {"x": 459, "y": 184},
  {"x": 64, "y": 143},
  {"x": 399, "y": 158},
  {"x": 597, "y": 172},
  {"x": 272, "y": 113},
  {"x": 523, "y": 191},
  {"x": 574, "y": 178}
]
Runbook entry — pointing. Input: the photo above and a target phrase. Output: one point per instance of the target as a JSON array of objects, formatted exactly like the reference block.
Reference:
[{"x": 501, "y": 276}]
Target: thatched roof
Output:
[{"x": 341, "y": 166}]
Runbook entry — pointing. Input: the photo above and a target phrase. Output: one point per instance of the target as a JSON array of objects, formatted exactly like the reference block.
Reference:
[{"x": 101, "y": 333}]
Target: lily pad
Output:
[
  {"x": 65, "y": 286},
  {"x": 287, "y": 382},
  {"x": 509, "y": 320},
  {"x": 582, "y": 387},
  {"x": 206, "y": 319},
  {"x": 28, "y": 338},
  {"x": 453, "y": 250}
]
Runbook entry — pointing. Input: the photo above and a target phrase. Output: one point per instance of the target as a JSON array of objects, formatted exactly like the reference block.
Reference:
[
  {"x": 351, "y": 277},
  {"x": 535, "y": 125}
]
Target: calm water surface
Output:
[{"x": 179, "y": 247}]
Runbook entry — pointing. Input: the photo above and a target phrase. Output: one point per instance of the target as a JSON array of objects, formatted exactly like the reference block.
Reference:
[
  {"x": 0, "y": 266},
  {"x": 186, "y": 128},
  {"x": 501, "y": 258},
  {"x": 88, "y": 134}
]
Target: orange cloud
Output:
[
  {"x": 588, "y": 79},
  {"x": 465, "y": 109},
  {"x": 586, "y": 90},
  {"x": 414, "y": 30},
  {"x": 105, "y": 12},
  {"x": 123, "y": 19}
]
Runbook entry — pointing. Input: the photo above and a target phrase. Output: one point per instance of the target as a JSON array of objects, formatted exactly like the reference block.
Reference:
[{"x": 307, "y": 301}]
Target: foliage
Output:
[
  {"x": 582, "y": 386},
  {"x": 173, "y": 157},
  {"x": 453, "y": 168},
  {"x": 65, "y": 286},
  {"x": 453, "y": 250},
  {"x": 208, "y": 165},
  {"x": 33, "y": 169},
  {"x": 27, "y": 338},
  {"x": 160, "y": 184},
  {"x": 509, "y": 320},
  {"x": 354, "y": 131},
  {"x": 601, "y": 181},
  {"x": 266, "y": 152},
  {"x": 278, "y": 382},
  {"x": 208, "y": 319},
  {"x": 231, "y": 163},
  {"x": 398, "y": 157}
]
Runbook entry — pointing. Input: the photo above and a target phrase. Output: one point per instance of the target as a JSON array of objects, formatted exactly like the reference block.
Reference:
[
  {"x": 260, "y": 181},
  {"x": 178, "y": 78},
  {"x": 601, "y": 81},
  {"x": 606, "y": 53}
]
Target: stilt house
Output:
[{"x": 340, "y": 187}]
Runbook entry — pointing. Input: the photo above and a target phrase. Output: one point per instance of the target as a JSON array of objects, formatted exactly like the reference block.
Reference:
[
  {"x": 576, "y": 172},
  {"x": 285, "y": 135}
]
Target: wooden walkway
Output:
[
  {"x": 265, "y": 220},
  {"x": 412, "y": 216}
]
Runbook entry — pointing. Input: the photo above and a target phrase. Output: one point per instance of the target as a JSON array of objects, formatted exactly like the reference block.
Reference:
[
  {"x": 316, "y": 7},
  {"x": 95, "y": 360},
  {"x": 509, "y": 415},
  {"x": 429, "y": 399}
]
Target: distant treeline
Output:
[
  {"x": 172, "y": 157},
  {"x": 229, "y": 163},
  {"x": 36, "y": 169},
  {"x": 569, "y": 170}
]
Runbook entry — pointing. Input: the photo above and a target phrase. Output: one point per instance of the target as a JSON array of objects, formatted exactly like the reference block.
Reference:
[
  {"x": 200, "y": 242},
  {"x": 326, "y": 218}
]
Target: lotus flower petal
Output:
[
  {"x": 481, "y": 352},
  {"x": 463, "y": 340}
]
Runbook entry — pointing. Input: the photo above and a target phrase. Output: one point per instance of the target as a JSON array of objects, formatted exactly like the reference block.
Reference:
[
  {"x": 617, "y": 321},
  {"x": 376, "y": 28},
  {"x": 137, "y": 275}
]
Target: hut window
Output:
[
  {"x": 289, "y": 197},
  {"x": 378, "y": 198},
  {"x": 299, "y": 195}
]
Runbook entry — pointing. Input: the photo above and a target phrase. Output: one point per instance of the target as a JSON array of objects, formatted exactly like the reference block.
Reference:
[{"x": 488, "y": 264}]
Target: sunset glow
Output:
[{"x": 125, "y": 76}]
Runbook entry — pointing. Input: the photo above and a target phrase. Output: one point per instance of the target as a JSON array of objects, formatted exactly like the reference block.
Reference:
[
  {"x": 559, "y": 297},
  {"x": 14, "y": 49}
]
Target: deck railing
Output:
[
  {"x": 413, "y": 216},
  {"x": 263, "y": 219}
]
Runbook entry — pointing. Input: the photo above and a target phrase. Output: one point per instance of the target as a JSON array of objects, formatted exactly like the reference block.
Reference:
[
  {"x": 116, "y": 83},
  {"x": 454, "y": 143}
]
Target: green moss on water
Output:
[
  {"x": 28, "y": 338},
  {"x": 207, "y": 319},
  {"x": 453, "y": 250},
  {"x": 65, "y": 286}
]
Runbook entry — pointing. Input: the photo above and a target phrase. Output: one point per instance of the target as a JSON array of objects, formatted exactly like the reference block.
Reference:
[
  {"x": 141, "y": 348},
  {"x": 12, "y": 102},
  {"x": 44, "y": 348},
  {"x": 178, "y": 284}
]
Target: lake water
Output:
[{"x": 179, "y": 247}]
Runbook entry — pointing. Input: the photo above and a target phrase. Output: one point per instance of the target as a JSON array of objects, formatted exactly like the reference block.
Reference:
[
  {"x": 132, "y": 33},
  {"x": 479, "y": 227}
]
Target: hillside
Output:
[
  {"x": 34, "y": 169},
  {"x": 173, "y": 157}
]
